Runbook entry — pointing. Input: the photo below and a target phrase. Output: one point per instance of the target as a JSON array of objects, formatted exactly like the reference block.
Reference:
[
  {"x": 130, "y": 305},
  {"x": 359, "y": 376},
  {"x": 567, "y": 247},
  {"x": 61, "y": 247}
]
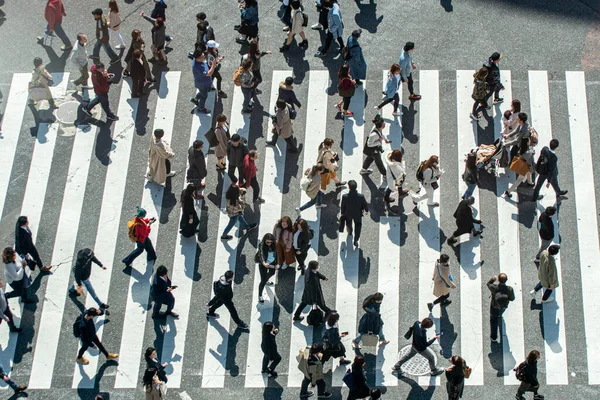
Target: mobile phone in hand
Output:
[
  {"x": 173, "y": 287},
  {"x": 345, "y": 333}
]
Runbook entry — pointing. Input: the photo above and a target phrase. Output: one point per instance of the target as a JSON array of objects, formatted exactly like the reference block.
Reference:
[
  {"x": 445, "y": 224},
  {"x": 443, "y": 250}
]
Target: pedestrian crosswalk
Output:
[{"x": 210, "y": 357}]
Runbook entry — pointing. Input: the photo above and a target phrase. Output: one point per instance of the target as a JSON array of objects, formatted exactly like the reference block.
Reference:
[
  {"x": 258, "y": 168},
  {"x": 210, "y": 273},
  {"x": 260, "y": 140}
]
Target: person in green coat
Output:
[{"x": 547, "y": 273}]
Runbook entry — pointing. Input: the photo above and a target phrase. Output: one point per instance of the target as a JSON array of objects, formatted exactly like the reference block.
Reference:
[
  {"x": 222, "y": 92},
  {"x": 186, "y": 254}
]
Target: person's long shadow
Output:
[
  {"x": 328, "y": 221},
  {"x": 377, "y": 205},
  {"x": 449, "y": 334},
  {"x": 408, "y": 123},
  {"x": 416, "y": 391},
  {"x": 429, "y": 228},
  {"x": 367, "y": 17},
  {"x": 447, "y": 5},
  {"x": 57, "y": 63},
  {"x": 295, "y": 57},
  {"x": 169, "y": 201},
  {"x": 551, "y": 329},
  {"x": 496, "y": 358},
  {"x": 91, "y": 393}
]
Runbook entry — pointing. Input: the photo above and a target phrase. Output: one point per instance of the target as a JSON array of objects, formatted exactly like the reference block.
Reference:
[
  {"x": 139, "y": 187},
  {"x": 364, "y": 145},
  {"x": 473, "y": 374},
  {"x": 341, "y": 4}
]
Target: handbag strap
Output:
[{"x": 437, "y": 265}]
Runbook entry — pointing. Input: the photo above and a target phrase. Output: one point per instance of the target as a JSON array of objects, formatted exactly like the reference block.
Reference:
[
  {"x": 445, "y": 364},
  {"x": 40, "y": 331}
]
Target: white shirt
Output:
[{"x": 13, "y": 271}]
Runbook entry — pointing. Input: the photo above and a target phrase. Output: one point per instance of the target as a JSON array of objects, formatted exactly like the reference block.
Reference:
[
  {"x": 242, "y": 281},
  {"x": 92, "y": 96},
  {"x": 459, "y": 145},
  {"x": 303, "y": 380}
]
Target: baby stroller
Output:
[{"x": 491, "y": 157}]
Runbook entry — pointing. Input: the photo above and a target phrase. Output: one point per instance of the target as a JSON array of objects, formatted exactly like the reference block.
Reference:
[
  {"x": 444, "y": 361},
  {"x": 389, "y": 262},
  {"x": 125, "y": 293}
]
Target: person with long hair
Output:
[
  {"x": 346, "y": 88},
  {"x": 255, "y": 55},
  {"x": 493, "y": 78},
  {"x": 355, "y": 58},
  {"x": 465, "y": 220},
  {"x": 137, "y": 43},
  {"x": 268, "y": 345},
  {"x": 39, "y": 84},
  {"x": 223, "y": 136},
  {"x": 114, "y": 22},
  {"x": 391, "y": 90},
  {"x": 283, "y": 126},
  {"x": 455, "y": 375},
  {"x": 510, "y": 121},
  {"x": 15, "y": 275},
  {"x": 296, "y": 27},
  {"x": 153, "y": 386},
  {"x": 359, "y": 389},
  {"x": 284, "y": 236},
  {"x": 248, "y": 83},
  {"x": 196, "y": 172},
  {"x": 235, "y": 198},
  {"x": 137, "y": 73},
  {"x": 248, "y": 27},
  {"x": 431, "y": 174},
  {"x": 480, "y": 92},
  {"x": 527, "y": 154},
  {"x": 371, "y": 322},
  {"x": 395, "y": 174},
  {"x": 159, "y": 38},
  {"x": 330, "y": 159},
  {"x": 530, "y": 382},
  {"x": 301, "y": 242},
  {"x": 373, "y": 147},
  {"x": 313, "y": 292},
  {"x": 266, "y": 258},
  {"x": 442, "y": 282},
  {"x": 313, "y": 190},
  {"x": 470, "y": 175},
  {"x": 188, "y": 226},
  {"x": 151, "y": 358},
  {"x": 332, "y": 339},
  {"x": 5, "y": 312}
]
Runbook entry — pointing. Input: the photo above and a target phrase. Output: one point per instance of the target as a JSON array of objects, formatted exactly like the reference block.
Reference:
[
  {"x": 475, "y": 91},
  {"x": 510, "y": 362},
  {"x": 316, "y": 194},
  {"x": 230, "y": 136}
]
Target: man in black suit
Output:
[
  {"x": 353, "y": 205},
  {"x": 24, "y": 245},
  {"x": 552, "y": 171},
  {"x": 546, "y": 230},
  {"x": 162, "y": 289},
  {"x": 224, "y": 296}
]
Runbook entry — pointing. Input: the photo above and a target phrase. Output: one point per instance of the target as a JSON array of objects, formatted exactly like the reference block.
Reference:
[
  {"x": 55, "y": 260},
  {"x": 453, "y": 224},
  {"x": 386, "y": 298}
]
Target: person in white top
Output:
[
  {"x": 79, "y": 58},
  {"x": 114, "y": 22},
  {"x": 395, "y": 174},
  {"x": 430, "y": 175},
  {"x": 373, "y": 149},
  {"x": 15, "y": 275},
  {"x": 510, "y": 122}
]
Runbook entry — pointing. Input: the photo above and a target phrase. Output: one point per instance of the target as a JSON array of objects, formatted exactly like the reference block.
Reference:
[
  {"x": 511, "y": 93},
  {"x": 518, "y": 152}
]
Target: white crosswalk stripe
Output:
[{"x": 211, "y": 365}]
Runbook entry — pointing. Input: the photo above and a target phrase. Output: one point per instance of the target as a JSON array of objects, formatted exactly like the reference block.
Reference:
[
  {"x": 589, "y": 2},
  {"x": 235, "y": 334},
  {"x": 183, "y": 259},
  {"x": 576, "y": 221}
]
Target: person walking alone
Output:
[
  {"x": 332, "y": 340},
  {"x": 465, "y": 220},
  {"x": 235, "y": 204},
  {"x": 527, "y": 374},
  {"x": 371, "y": 323},
  {"x": 283, "y": 127},
  {"x": 329, "y": 159},
  {"x": 141, "y": 233},
  {"x": 250, "y": 175},
  {"x": 442, "y": 282},
  {"x": 79, "y": 58},
  {"x": 188, "y": 226},
  {"x": 549, "y": 172},
  {"x": 311, "y": 184},
  {"x": 271, "y": 357},
  {"x": 313, "y": 293},
  {"x": 114, "y": 23},
  {"x": 101, "y": 80},
  {"x": 103, "y": 39},
  {"x": 301, "y": 242},
  {"x": 391, "y": 90},
  {"x": 202, "y": 80},
  {"x": 547, "y": 273},
  {"x": 197, "y": 168},
  {"x": 430, "y": 173},
  {"x": 420, "y": 345},
  {"x": 359, "y": 388},
  {"x": 395, "y": 175},
  {"x": 406, "y": 68},
  {"x": 373, "y": 147},
  {"x": 355, "y": 58},
  {"x": 546, "y": 230},
  {"x": 296, "y": 28},
  {"x": 159, "y": 159},
  {"x": 353, "y": 206},
  {"x": 502, "y": 295},
  {"x": 311, "y": 365},
  {"x": 455, "y": 377},
  {"x": 163, "y": 293},
  {"x": 480, "y": 93},
  {"x": 266, "y": 258},
  {"x": 83, "y": 272},
  {"x": 346, "y": 88},
  {"x": 24, "y": 245},
  {"x": 493, "y": 77},
  {"x": 89, "y": 338},
  {"x": 54, "y": 13},
  {"x": 223, "y": 136},
  {"x": 236, "y": 153},
  {"x": 224, "y": 296}
]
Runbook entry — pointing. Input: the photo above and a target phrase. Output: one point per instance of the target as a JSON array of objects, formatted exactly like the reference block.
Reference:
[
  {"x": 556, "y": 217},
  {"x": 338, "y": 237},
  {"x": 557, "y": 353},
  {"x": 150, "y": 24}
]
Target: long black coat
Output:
[
  {"x": 313, "y": 293},
  {"x": 197, "y": 170},
  {"x": 188, "y": 208},
  {"x": 464, "y": 218},
  {"x": 370, "y": 322},
  {"x": 269, "y": 346}
]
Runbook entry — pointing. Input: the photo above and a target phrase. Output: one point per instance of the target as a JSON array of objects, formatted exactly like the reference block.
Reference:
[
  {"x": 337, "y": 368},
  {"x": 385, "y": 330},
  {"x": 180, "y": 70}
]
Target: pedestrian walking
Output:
[
  {"x": 16, "y": 274},
  {"x": 442, "y": 282},
  {"x": 420, "y": 345},
  {"x": 204, "y": 33},
  {"x": 547, "y": 273},
  {"x": 188, "y": 226},
  {"x": 335, "y": 28},
  {"x": 428, "y": 174},
  {"x": 212, "y": 57},
  {"x": 502, "y": 295},
  {"x": 283, "y": 231},
  {"x": 285, "y": 14},
  {"x": 137, "y": 71},
  {"x": 159, "y": 159},
  {"x": 371, "y": 322},
  {"x": 162, "y": 290},
  {"x": 515, "y": 138},
  {"x": 323, "y": 11},
  {"x": 24, "y": 245},
  {"x": 355, "y": 58},
  {"x": 526, "y": 155},
  {"x": 352, "y": 208},
  {"x": 296, "y": 28},
  {"x": 329, "y": 159},
  {"x": 547, "y": 168},
  {"x": 527, "y": 373},
  {"x": 202, "y": 80},
  {"x": 313, "y": 293},
  {"x": 465, "y": 221},
  {"x": 103, "y": 39},
  {"x": 250, "y": 176},
  {"x": 480, "y": 93},
  {"x": 510, "y": 119},
  {"x": 545, "y": 230},
  {"x": 39, "y": 84},
  {"x": 114, "y": 23},
  {"x": 346, "y": 88},
  {"x": 302, "y": 237},
  {"x": 455, "y": 377},
  {"x": 286, "y": 93},
  {"x": 359, "y": 388},
  {"x": 243, "y": 77},
  {"x": 83, "y": 272},
  {"x": 151, "y": 358},
  {"x": 237, "y": 149},
  {"x": 139, "y": 233},
  {"x": 395, "y": 174},
  {"x": 196, "y": 168},
  {"x": 79, "y": 58},
  {"x": 224, "y": 296},
  {"x": 10, "y": 382},
  {"x": 154, "y": 388},
  {"x": 406, "y": 68},
  {"x": 89, "y": 338},
  {"x": 283, "y": 126},
  {"x": 101, "y": 80},
  {"x": 332, "y": 340},
  {"x": 137, "y": 43},
  {"x": 159, "y": 39},
  {"x": 391, "y": 90},
  {"x": 222, "y": 135},
  {"x": 271, "y": 357},
  {"x": 373, "y": 147},
  {"x": 470, "y": 175},
  {"x": 311, "y": 184},
  {"x": 493, "y": 77},
  {"x": 248, "y": 27},
  {"x": 54, "y": 13},
  {"x": 311, "y": 365},
  {"x": 6, "y": 313},
  {"x": 266, "y": 258},
  {"x": 235, "y": 199}
]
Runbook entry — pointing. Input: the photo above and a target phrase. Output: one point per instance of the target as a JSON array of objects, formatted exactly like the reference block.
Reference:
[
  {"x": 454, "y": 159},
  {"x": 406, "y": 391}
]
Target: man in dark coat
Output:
[
  {"x": 163, "y": 293},
  {"x": 89, "y": 338},
  {"x": 197, "y": 169},
  {"x": 83, "y": 271},
  {"x": 236, "y": 151},
  {"x": 420, "y": 345},
  {"x": 546, "y": 230},
  {"x": 548, "y": 154},
  {"x": 353, "y": 206},
  {"x": 313, "y": 293},
  {"x": 464, "y": 220},
  {"x": 502, "y": 294},
  {"x": 224, "y": 296},
  {"x": 286, "y": 93},
  {"x": 24, "y": 245},
  {"x": 493, "y": 77}
]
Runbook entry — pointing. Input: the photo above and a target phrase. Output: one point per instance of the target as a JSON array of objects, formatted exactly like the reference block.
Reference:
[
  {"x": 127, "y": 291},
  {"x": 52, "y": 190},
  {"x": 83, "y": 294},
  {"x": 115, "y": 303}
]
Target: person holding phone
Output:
[
  {"x": 332, "y": 340},
  {"x": 271, "y": 357},
  {"x": 420, "y": 345},
  {"x": 162, "y": 289},
  {"x": 101, "y": 80},
  {"x": 142, "y": 235}
]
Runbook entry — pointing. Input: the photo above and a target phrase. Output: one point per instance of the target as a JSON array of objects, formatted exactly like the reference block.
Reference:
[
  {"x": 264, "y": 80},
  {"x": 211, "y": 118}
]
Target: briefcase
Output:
[{"x": 370, "y": 340}]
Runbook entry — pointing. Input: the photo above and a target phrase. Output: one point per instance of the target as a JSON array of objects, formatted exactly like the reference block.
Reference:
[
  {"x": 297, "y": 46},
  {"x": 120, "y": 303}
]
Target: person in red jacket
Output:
[
  {"x": 101, "y": 80},
  {"x": 53, "y": 13},
  {"x": 142, "y": 232},
  {"x": 250, "y": 174}
]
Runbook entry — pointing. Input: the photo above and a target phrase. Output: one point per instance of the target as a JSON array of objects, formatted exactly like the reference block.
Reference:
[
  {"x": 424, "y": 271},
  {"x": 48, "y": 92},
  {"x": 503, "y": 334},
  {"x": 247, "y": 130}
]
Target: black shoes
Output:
[{"x": 300, "y": 318}]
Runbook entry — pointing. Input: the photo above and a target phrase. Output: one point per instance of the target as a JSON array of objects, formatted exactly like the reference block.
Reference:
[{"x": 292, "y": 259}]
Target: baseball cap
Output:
[{"x": 211, "y": 44}]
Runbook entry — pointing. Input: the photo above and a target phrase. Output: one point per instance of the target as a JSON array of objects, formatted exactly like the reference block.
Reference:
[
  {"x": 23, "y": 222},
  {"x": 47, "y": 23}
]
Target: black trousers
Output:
[
  {"x": 410, "y": 83},
  {"x": 495, "y": 90},
  {"x": 328, "y": 41},
  {"x": 265, "y": 274},
  {"x": 97, "y": 342},
  {"x": 19, "y": 289},
  {"x": 216, "y": 302},
  {"x": 479, "y": 105},
  {"x": 219, "y": 78},
  {"x": 441, "y": 299},
  {"x": 302, "y": 305},
  {"x": 231, "y": 172},
  {"x": 290, "y": 141},
  {"x": 357, "y": 226},
  {"x": 137, "y": 87},
  {"x": 395, "y": 99},
  {"x": 306, "y": 382},
  {"x": 9, "y": 314},
  {"x": 257, "y": 78},
  {"x": 346, "y": 103},
  {"x": 275, "y": 362},
  {"x": 301, "y": 257},
  {"x": 375, "y": 156},
  {"x": 495, "y": 320},
  {"x": 166, "y": 298}
]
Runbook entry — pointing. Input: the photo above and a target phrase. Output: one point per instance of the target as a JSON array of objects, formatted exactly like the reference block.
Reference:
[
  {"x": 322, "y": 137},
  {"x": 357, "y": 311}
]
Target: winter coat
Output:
[
  {"x": 188, "y": 211},
  {"x": 197, "y": 169},
  {"x": 493, "y": 76},
  {"x": 157, "y": 155},
  {"x": 370, "y": 322},
  {"x": 235, "y": 155},
  {"x": 395, "y": 171},
  {"x": 83, "y": 265},
  {"x": 392, "y": 85},
  {"x": 357, "y": 63},
  {"x": 135, "y": 45},
  {"x": 226, "y": 292},
  {"x": 284, "y": 123},
  {"x": 222, "y": 134},
  {"x": 441, "y": 280},
  {"x": 159, "y": 10},
  {"x": 286, "y": 236},
  {"x": 286, "y": 93},
  {"x": 313, "y": 293},
  {"x": 353, "y": 205},
  {"x": 360, "y": 389},
  {"x": 314, "y": 186},
  {"x": 335, "y": 22},
  {"x": 546, "y": 226},
  {"x": 303, "y": 242},
  {"x": 54, "y": 13},
  {"x": 479, "y": 90},
  {"x": 315, "y": 369},
  {"x": 297, "y": 20},
  {"x": 269, "y": 345},
  {"x": 464, "y": 218},
  {"x": 327, "y": 158},
  {"x": 547, "y": 272}
]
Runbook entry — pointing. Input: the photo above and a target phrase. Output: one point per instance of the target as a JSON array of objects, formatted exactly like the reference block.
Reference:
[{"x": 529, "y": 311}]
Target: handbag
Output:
[
  {"x": 211, "y": 137},
  {"x": 47, "y": 40},
  {"x": 467, "y": 371},
  {"x": 304, "y": 19},
  {"x": 435, "y": 185},
  {"x": 519, "y": 166},
  {"x": 370, "y": 340},
  {"x": 293, "y": 112},
  {"x": 347, "y": 379}
]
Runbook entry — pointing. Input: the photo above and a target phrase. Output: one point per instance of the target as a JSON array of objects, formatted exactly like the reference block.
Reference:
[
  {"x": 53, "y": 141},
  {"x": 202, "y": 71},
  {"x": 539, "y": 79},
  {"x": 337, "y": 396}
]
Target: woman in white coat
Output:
[
  {"x": 15, "y": 274},
  {"x": 395, "y": 173},
  {"x": 431, "y": 173},
  {"x": 159, "y": 154}
]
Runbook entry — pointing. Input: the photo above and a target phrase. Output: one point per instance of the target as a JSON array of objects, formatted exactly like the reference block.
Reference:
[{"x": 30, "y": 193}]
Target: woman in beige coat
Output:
[
  {"x": 154, "y": 388},
  {"x": 283, "y": 127},
  {"x": 297, "y": 29},
  {"x": 159, "y": 166},
  {"x": 284, "y": 235},
  {"x": 329, "y": 159},
  {"x": 223, "y": 136},
  {"x": 311, "y": 184},
  {"x": 442, "y": 282}
]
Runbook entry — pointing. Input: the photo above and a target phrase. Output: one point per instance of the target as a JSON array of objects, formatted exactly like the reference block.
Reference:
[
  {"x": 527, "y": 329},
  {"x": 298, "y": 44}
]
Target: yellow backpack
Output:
[{"x": 131, "y": 230}]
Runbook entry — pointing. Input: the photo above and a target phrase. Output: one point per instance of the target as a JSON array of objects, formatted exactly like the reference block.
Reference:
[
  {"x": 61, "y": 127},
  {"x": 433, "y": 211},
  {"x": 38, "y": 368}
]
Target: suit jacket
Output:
[
  {"x": 24, "y": 242},
  {"x": 160, "y": 287},
  {"x": 552, "y": 161},
  {"x": 546, "y": 226},
  {"x": 354, "y": 204}
]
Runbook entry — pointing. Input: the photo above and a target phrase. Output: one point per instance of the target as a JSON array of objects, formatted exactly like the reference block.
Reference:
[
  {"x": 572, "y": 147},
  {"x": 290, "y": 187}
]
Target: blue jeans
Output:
[
  {"x": 141, "y": 246},
  {"x": 201, "y": 96},
  {"x": 547, "y": 292},
  {"x": 233, "y": 220},
  {"x": 59, "y": 31},
  {"x": 103, "y": 100},
  {"x": 248, "y": 93},
  {"x": 470, "y": 189},
  {"x": 317, "y": 200},
  {"x": 90, "y": 289},
  {"x": 109, "y": 51},
  {"x": 9, "y": 382}
]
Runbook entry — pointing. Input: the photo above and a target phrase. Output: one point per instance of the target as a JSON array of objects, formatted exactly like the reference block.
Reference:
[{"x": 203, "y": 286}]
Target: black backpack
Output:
[
  {"x": 76, "y": 330},
  {"x": 520, "y": 371},
  {"x": 315, "y": 317},
  {"x": 502, "y": 299},
  {"x": 541, "y": 167}
]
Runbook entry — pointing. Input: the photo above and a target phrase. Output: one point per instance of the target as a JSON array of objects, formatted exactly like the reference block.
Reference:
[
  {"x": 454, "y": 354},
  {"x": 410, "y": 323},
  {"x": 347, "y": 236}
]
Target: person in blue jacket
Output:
[
  {"x": 356, "y": 60},
  {"x": 406, "y": 68},
  {"x": 391, "y": 90},
  {"x": 335, "y": 27}
]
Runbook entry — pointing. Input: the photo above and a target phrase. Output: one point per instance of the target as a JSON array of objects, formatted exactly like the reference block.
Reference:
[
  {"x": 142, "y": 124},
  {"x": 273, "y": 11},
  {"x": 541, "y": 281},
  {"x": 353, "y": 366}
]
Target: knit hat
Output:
[
  {"x": 495, "y": 56},
  {"x": 141, "y": 213}
]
